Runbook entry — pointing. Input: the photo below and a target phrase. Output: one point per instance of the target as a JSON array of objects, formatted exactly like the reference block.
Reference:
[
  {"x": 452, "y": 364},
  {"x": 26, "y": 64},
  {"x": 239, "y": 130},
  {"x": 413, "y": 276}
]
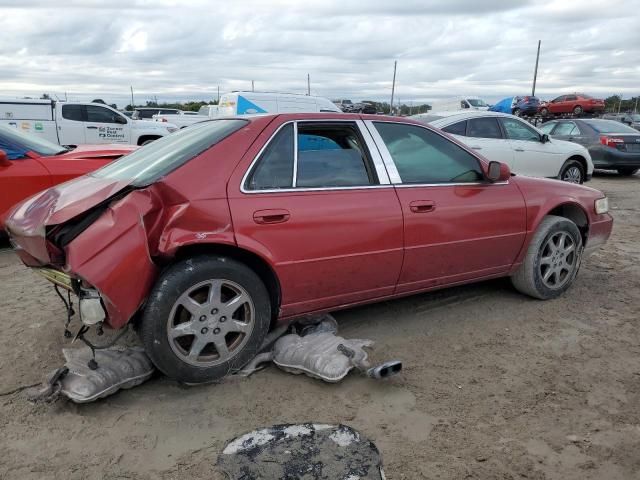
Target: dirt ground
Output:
[{"x": 496, "y": 385}]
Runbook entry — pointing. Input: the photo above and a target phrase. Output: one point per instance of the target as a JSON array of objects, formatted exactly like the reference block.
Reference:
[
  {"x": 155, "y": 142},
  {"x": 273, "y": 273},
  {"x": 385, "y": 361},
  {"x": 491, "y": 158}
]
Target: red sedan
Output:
[
  {"x": 576, "y": 103},
  {"x": 29, "y": 164},
  {"x": 208, "y": 237}
]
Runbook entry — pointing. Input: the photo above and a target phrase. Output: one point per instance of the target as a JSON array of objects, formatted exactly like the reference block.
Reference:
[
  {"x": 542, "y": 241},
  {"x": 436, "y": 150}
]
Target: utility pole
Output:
[
  {"x": 218, "y": 94},
  {"x": 620, "y": 103},
  {"x": 635, "y": 109},
  {"x": 252, "y": 86},
  {"x": 535, "y": 72},
  {"x": 393, "y": 87},
  {"x": 308, "y": 84},
  {"x": 133, "y": 105}
]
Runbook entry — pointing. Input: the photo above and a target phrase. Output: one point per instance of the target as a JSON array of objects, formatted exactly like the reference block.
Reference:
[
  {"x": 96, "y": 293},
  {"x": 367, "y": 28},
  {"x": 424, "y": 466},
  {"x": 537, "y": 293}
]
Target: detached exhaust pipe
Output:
[{"x": 385, "y": 370}]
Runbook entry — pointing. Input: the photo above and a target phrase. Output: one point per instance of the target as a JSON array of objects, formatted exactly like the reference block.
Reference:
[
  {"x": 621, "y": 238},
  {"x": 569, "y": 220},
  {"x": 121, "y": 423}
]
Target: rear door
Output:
[
  {"x": 485, "y": 136},
  {"x": 314, "y": 199},
  {"x": 457, "y": 226},
  {"x": 71, "y": 124},
  {"x": 570, "y": 131},
  {"x": 104, "y": 125}
]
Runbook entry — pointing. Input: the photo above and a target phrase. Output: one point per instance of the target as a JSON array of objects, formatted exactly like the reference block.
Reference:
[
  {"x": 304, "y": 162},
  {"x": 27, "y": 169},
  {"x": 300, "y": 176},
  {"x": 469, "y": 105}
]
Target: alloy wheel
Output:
[
  {"x": 558, "y": 260},
  {"x": 211, "y": 322},
  {"x": 572, "y": 175}
]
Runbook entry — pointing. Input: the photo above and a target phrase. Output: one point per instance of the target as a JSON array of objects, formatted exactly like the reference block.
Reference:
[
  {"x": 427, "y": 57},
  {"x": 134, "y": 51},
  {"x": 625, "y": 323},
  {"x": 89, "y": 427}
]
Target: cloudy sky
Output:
[{"x": 178, "y": 49}]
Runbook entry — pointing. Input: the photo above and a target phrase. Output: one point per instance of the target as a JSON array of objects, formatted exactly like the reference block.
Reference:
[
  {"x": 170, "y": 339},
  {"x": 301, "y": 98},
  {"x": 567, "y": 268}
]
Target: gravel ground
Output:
[{"x": 496, "y": 385}]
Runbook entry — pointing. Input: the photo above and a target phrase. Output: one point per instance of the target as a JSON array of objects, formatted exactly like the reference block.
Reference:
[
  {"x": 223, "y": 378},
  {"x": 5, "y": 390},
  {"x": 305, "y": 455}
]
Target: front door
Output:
[
  {"x": 318, "y": 206},
  {"x": 532, "y": 156},
  {"x": 104, "y": 125},
  {"x": 457, "y": 226}
]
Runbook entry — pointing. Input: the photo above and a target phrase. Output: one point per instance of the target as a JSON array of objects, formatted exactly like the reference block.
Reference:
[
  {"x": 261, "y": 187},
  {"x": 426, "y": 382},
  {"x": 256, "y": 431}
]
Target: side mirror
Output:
[
  {"x": 4, "y": 159},
  {"x": 498, "y": 172},
  {"x": 544, "y": 138}
]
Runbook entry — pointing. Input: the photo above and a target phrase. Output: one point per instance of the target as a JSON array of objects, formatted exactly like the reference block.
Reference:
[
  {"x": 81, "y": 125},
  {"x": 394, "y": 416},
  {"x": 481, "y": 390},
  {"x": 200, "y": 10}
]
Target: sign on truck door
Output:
[{"x": 104, "y": 125}]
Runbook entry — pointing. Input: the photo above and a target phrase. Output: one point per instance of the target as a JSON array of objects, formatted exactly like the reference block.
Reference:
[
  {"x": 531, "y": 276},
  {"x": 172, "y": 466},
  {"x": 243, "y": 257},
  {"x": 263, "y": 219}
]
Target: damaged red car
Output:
[
  {"x": 29, "y": 164},
  {"x": 207, "y": 238}
]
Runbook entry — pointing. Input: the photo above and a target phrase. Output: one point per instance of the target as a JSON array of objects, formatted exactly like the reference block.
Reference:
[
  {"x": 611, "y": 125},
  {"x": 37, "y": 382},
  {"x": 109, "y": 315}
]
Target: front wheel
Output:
[
  {"x": 552, "y": 260},
  {"x": 544, "y": 111},
  {"x": 205, "y": 318},
  {"x": 627, "y": 171},
  {"x": 517, "y": 112},
  {"x": 577, "y": 110},
  {"x": 572, "y": 171}
]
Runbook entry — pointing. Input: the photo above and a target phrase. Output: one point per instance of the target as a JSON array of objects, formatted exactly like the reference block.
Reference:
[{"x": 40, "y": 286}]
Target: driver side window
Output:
[
  {"x": 517, "y": 130},
  {"x": 102, "y": 115}
]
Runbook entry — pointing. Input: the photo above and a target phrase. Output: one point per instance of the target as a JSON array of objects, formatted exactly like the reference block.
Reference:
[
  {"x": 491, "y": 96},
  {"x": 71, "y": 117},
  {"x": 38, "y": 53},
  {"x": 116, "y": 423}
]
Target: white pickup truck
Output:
[
  {"x": 184, "y": 119},
  {"x": 75, "y": 123}
]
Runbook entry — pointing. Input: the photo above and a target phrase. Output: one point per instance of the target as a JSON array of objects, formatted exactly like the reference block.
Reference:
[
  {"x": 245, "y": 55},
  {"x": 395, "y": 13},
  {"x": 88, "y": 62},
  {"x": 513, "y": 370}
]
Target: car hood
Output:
[
  {"x": 61, "y": 203},
  {"x": 98, "y": 151}
]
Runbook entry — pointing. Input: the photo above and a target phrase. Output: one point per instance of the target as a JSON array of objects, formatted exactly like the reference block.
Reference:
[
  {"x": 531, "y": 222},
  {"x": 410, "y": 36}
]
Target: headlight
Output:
[
  {"x": 171, "y": 129},
  {"x": 602, "y": 205}
]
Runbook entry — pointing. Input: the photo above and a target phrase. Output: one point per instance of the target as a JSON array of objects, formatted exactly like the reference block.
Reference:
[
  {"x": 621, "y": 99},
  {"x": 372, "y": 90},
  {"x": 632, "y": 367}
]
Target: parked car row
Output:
[
  {"x": 575, "y": 104},
  {"x": 234, "y": 225},
  {"x": 510, "y": 140}
]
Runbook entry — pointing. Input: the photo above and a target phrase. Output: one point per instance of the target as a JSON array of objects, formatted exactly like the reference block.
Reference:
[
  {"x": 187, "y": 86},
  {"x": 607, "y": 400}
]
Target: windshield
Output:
[
  {"x": 635, "y": 118},
  {"x": 610, "y": 126},
  {"x": 153, "y": 161},
  {"x": 16, "y": 143},
  {"x": 476, "y": 102}
]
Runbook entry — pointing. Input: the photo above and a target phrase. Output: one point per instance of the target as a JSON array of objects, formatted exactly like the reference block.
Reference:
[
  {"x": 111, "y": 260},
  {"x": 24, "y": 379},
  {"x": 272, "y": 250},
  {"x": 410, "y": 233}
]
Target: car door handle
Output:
[
  {"x": 422, "y": 206},
  {"x": 519, "y": 149},
  {"x": 92, "y": 127},
  {"x": 476, "y": 148},
  {"x": 271, "y": 216}
]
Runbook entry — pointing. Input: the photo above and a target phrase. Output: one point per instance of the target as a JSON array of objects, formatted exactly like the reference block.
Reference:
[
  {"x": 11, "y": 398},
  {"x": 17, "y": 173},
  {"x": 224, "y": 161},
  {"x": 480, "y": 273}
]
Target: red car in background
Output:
[
  {"x": 576, "y": 103},
  {"x": 206, "y": 238},
  {"x": 29, "y": 164}
]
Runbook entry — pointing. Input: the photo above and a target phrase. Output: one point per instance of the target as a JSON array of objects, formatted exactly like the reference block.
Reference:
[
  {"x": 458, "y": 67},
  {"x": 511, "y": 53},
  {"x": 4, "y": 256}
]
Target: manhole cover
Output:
[{"x": 306, "y": 451}]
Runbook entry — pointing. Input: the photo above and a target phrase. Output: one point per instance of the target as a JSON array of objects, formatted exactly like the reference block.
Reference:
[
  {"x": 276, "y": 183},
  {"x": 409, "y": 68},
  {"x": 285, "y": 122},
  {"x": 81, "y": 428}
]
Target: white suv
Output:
[{"x": 508, "y": 139}]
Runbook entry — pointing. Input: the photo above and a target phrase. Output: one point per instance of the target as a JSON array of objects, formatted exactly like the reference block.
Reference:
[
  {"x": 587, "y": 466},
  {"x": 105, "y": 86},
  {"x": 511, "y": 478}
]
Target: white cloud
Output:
[{"x": 185, "y": 50}]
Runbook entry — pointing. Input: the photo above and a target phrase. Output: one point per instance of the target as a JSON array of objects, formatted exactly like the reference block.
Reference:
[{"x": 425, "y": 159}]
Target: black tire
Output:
[
  {"x": 544, "y": 111},
  {"x": 528, "y": 278},
  {"x": 570, "y": 171},
  {"x": 170, "y": 287},
  {"x": 628, "y": 171},
  {"x": 577, "y": 110},
  {"x": 517, "y": 112}
]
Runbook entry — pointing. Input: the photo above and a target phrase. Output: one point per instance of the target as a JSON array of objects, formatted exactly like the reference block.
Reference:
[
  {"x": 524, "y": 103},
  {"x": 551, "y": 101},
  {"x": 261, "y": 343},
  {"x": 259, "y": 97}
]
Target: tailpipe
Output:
[{"x": 385, "y": 370}]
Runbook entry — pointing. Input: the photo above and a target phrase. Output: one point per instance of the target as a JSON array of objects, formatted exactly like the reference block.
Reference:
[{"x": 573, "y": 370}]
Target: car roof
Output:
[{"x": 450, "y": 117}]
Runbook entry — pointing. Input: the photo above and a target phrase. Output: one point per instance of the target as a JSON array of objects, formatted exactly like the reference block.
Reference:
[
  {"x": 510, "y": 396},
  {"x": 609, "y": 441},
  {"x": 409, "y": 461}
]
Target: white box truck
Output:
[{"x": 76, "y": 123}]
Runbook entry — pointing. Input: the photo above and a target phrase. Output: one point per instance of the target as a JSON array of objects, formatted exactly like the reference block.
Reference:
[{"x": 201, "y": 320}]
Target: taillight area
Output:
[{"x": 611, "y": 142}]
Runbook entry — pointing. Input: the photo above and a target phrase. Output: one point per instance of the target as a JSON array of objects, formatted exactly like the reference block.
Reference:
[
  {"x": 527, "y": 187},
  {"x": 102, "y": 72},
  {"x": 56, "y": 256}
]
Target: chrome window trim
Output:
[
  {"x": 393, "y": 171},
  {"x": 383, "y": 177},
  {"x": 387, "y": 160},
  {"x": 294, "y": 179}
]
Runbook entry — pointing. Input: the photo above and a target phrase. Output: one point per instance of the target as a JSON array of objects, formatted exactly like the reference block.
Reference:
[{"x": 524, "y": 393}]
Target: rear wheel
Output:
[
  {"x": 627, "y": 171},
  {"x": 572, "y": 171},
  {"x": 205, "y": 318},
  {"x": 552, "y": 260}
]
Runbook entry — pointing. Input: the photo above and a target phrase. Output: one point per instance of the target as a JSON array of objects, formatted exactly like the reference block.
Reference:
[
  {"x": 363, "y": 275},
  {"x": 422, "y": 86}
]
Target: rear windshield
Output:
[
  {"x": 155, "y": 160},
  {"x": 426, "y": 118},
  {"x": 610, "y": 126}
]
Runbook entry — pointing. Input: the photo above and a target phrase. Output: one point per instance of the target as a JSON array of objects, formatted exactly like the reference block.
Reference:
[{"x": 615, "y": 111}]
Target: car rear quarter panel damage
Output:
[{"x": 145, "y": 229}]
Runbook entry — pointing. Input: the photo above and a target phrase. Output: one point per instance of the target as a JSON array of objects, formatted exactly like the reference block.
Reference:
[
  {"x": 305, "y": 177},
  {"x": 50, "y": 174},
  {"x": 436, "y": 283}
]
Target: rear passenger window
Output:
[
  {"x": 566, "y": 129},
  {"x": 457, "y": 128},
  {"x": 484, "y": 128},
  {"x": 76, "y": 113},
  {"x": 274, "y": 168},
  {"x": 331, "y": 155},
  {"x": 425, "y": 157}
]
